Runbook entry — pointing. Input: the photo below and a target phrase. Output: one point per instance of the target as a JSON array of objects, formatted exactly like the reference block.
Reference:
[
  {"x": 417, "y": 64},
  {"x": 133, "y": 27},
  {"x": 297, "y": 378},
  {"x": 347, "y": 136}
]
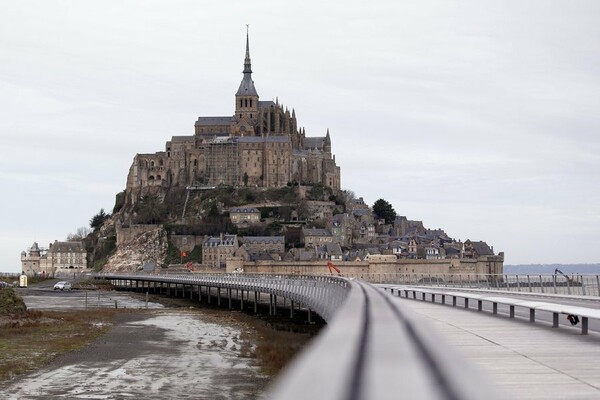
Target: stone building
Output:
[
  {"x": 215, "y": 250},
  {"x": 260, "y": 145},
  {"x": 244, "y": 216},
  {"x": 60, "y": 259}
]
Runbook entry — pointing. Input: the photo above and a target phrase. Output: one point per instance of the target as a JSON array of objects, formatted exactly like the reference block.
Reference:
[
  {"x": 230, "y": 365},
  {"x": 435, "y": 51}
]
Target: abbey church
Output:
[{"x": 260, "y": 145}]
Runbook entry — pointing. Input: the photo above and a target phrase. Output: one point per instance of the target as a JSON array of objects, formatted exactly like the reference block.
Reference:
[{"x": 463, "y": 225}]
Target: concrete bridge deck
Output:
[{"x": 524, "y": 360}]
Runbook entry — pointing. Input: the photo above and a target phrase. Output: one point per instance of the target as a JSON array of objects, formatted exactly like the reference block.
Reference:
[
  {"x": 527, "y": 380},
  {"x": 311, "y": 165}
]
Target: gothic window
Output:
[
  {"x": 251, "y": 105},
  {"x": 241, "y": 102}
]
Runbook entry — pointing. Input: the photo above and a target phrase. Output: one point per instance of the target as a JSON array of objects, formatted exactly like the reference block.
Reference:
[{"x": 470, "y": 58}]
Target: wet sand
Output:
[{"x": 156, "y": 353}]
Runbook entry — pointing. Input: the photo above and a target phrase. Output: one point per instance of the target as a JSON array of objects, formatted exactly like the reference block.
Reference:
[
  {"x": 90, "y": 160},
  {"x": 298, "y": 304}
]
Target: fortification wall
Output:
[{"x": 445, "y": 266}]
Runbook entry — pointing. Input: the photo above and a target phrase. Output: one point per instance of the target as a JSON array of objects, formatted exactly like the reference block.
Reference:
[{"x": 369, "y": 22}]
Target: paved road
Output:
[
  {"x": 45, "y": 298},
  {"x": 527, "y": 361}
]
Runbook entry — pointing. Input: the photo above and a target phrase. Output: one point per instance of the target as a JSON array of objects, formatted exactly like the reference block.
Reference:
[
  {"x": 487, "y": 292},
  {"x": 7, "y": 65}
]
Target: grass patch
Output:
[
  {"x": 276, "y": 348},
  {"x": 93, "y": 284},
  {"x": 30, "y": 341}
]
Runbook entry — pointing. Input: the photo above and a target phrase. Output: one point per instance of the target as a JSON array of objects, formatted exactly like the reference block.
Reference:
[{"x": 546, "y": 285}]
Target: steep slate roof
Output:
[
  {"x": 214, "y": 121},
  {"x": 312, "y": 142},
  {"x": 306, "y": 255},
  {"x": 315, "y": 232},
  {"x": 333, "y": 249},
  {"x": 67, "y": 247},
  {"x": 265, "y": 104},
  {"x": 243, "y": 210},
  {"x": 482, "y": 248},
  {"x": 262, "y": 239},
  {"x": 182, "y": 138},
  {"x": 228, "y": 240}
]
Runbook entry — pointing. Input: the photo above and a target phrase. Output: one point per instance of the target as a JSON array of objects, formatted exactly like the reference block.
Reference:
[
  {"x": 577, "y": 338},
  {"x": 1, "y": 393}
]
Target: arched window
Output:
[
  {"x": 158, "y": 177},
  {"x": 152, "y": 164},
  {"x": 241, "y": 102},
  {"x": 160, "y": 162},
  {"x": 151, "y": 178}
]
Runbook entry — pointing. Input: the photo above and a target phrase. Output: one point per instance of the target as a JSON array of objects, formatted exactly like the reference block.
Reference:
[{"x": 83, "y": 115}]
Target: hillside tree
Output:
[{"x": 384, "y": 210}]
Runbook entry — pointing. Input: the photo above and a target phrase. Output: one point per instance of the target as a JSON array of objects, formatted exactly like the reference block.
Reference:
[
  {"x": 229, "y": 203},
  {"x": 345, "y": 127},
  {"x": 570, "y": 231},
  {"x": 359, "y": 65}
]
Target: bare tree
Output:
[{"x": 80, "y": 234}]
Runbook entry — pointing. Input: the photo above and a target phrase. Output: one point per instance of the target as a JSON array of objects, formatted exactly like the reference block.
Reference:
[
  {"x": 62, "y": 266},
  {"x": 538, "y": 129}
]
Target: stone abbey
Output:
[{"x": 260, "y": 145}]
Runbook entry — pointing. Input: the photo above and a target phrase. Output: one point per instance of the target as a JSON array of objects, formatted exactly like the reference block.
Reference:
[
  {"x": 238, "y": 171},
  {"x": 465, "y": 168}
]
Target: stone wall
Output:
[
  {"x": 187, "y": 242},
  {"x": 480, "y": 267}
]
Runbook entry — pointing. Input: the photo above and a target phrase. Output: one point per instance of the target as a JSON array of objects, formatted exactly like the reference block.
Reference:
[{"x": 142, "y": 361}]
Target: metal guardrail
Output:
[
  {"x": 569, "y": 284},
  {"x": 372, "y": 347},
  {"x": 555, "y": 308}
]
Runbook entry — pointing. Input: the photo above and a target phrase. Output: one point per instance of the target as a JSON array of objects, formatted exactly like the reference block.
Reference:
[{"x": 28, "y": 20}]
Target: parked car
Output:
[{"x": 62, "y": 285}]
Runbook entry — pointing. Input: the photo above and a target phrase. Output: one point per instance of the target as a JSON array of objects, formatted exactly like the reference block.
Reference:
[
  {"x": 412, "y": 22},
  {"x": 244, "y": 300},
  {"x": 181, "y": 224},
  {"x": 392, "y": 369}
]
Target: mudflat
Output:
[{"x": 176, "y": 351}]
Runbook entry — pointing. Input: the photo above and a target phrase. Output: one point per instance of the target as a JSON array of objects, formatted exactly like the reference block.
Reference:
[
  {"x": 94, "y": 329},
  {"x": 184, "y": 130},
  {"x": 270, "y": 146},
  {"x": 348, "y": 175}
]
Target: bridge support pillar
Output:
[
  {"x": 454, "y": 301},
  {"x": 255, "y": 302},
  {"x": 512, "y": 312},
  {"x": 466, "y": 303},
  {"x": 532, "y": 315},
  {"x": 168, "y": 289},
  {"x": 584, "y": 325},
  {"x": 218, "y": 296},
  {"x": 229, "y": 295},
  {"x": 443, "y": 299},
  {"x": 495, "y": 308},
  {"x": 432, "y": 298},
  {"x": 270, "y": 304},
  {"x": 423, "y": 296},
  {"x": 291, "y": 309},
  {"x": 274, "y": 305},
  {"x": 242, "y": 302},
  {"x": 555, "y": 320},
  {"x": 309, "y": 316},
  {"x": 208, "y": 294},
  {"x": 191, "y": 292},
  {"x": 479, "y": 305},
  {"x": 199, "y": 294},
  {"x": 136, "y": 285}
]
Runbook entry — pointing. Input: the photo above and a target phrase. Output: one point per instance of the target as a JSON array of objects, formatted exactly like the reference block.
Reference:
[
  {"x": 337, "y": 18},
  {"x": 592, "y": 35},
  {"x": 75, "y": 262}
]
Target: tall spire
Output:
[
  {"x": 247, "y": 63},
  {"x": 247, "y": 85}
]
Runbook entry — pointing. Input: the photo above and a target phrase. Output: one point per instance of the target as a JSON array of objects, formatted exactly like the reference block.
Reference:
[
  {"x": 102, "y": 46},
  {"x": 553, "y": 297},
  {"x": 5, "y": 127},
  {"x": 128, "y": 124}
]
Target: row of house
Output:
[{"x": 321, "y": 244}]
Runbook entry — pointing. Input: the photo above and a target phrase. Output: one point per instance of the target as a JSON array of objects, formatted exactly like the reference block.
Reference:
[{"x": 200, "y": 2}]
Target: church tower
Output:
[{"x": 246, "y": 98}]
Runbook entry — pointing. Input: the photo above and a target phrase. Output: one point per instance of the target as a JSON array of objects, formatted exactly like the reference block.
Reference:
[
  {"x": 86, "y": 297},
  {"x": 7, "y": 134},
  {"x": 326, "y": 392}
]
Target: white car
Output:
[{"x": 63, "y": 285}]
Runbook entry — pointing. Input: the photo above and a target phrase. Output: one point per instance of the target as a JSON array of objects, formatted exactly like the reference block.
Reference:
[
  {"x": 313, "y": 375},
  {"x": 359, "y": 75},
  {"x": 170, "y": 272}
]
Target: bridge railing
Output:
[
  {"x": 371, "y": 348},
  {"x": 569, "y": 284}
]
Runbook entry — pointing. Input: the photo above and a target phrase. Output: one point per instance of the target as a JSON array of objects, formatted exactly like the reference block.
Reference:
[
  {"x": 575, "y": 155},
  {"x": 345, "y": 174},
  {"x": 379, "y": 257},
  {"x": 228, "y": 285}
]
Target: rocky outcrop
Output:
[{"x": 133, "y": 253}]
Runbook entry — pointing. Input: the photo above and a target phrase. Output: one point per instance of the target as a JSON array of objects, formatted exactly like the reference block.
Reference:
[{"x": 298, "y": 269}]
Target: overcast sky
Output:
[{"x": 478, "y": 117}]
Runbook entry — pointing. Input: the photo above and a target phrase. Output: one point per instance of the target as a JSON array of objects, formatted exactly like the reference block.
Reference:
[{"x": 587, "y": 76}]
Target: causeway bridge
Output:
[{"x": 378, "y": 343}]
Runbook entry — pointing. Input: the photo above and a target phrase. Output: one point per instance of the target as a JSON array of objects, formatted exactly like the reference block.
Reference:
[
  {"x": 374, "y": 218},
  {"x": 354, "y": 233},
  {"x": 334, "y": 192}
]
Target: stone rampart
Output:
[{"x": 481, "y": 267}]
